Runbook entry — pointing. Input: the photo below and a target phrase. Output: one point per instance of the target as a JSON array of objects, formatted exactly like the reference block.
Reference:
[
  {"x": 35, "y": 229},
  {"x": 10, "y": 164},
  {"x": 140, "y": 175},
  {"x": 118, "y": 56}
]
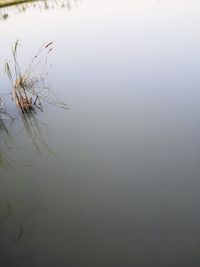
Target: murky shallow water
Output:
[{"x": 116, "y": 182}]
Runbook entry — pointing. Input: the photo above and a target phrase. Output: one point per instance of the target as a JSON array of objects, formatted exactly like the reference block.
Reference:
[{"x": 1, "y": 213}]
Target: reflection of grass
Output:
[
  {"x": 19, "y": 235},
  {"x": 18, "y": 231},
  {"x": 5, "y": 146},
  {"x": 5, "y": 162},
  {"x": 36, "y": 131},
  {"x": 6, "y": 140}
]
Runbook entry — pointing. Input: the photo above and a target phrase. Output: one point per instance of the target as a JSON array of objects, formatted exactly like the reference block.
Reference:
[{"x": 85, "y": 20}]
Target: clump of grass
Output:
[
  {"x": 19, "y": 93},
  {"x": 30, "y": 88}
]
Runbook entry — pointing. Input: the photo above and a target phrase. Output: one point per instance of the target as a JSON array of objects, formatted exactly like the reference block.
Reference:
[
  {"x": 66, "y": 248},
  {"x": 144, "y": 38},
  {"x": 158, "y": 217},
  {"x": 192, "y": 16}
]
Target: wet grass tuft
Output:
[{"x": 30, "y": 87}]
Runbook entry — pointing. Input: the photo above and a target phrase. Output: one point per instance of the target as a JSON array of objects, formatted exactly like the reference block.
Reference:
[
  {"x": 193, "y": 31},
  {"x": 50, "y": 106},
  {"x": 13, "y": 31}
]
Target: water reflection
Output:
[
  {"x": 6, "y": 145},
  {"x": 12, "y": 233},
  {"x": 7, "y": 8},
  {"x": 36, "y": 130}
]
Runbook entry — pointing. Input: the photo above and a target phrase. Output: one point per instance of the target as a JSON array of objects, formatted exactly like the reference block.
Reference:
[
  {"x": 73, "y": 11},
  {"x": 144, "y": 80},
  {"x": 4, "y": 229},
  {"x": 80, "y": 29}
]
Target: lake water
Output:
[{"x": 114, "y": 180}]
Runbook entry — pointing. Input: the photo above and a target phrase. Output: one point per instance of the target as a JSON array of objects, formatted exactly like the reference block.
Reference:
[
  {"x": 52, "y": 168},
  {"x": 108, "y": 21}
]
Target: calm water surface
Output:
[{"x": 113, "y": 181}]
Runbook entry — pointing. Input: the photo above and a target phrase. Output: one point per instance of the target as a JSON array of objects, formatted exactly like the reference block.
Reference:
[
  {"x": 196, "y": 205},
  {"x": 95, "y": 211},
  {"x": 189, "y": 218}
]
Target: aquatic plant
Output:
[{"x": 30, "y": 87}]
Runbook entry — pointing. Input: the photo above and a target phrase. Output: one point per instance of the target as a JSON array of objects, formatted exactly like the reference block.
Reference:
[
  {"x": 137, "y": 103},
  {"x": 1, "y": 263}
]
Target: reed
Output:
[{"x": 30, "y": 87}]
